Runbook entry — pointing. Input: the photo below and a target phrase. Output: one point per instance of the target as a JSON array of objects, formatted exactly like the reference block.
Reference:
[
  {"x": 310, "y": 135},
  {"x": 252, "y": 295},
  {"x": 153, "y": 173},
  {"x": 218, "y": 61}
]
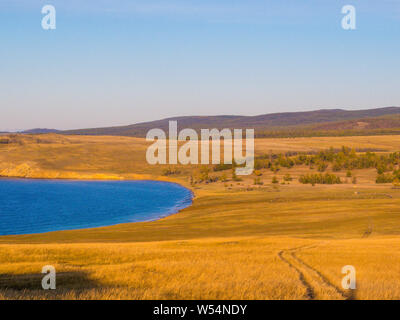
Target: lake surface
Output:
[{"x": 35, "y": 206}]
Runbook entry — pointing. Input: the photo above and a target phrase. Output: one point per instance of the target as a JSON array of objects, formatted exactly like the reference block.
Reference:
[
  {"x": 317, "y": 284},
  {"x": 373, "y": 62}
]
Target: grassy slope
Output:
[
  {"x": 283, "y": 122},
  {"x": 232, "y": 243}
]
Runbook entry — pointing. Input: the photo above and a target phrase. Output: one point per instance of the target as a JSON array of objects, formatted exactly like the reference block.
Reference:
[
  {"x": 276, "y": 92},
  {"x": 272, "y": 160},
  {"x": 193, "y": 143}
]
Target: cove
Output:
[{"x": 37, "y": 206}]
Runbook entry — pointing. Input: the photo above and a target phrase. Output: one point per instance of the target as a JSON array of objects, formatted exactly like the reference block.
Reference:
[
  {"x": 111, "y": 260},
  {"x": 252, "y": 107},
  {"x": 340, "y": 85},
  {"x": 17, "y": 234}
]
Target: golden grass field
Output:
[{"x": 237, "y": 240}]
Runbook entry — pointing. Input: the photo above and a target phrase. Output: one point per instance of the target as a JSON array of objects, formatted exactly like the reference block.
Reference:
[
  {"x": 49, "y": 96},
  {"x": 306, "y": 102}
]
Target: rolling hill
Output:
[{"x": 308, "y": 123}]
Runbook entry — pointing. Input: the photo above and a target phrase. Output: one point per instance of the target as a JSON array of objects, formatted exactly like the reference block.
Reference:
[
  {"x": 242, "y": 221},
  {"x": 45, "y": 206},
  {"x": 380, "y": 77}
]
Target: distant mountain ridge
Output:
[{"x": 279, "y": 123}]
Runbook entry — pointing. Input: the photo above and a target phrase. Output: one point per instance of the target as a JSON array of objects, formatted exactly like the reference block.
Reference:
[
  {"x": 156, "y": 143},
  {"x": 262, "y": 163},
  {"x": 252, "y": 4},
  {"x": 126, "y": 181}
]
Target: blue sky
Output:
[{"x": 120, "y": 62}]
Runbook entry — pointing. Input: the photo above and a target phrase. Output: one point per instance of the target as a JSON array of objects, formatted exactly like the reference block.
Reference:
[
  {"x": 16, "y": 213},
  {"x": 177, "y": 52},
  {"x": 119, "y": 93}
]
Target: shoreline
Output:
[{"x": 128, "y": 177}]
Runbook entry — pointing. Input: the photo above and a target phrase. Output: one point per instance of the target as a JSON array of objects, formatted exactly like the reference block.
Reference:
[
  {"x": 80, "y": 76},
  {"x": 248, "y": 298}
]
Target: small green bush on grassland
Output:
[
  {"x": 319, "y": 178},
  {"x": 170, "y": 171}
]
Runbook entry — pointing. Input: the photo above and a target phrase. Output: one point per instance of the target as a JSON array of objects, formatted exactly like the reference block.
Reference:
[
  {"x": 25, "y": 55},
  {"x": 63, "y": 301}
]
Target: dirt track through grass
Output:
[{"x": 317, "y": 286}]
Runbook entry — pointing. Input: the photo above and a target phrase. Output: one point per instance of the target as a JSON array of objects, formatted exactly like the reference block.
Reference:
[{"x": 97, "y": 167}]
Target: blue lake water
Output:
[{"x": 35, "y": 206}]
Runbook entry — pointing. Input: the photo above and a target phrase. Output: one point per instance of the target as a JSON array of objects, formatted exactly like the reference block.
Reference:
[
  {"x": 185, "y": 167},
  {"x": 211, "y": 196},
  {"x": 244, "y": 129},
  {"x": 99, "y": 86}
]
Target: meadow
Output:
[{"x": 241, "y": 238}]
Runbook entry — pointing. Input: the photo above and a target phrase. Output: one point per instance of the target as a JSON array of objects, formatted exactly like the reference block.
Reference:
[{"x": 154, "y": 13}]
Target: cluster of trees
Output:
[
  {"x": 337, "y": 160},
  {"x": 297, "y": 132},
  {"x": 387, "y": 165},
  {"x": 385, "y": 178},
  {"x": 319, "y": 178},
  {"x": 393, "y": 177},
  {"x": 204, "y": 175}
]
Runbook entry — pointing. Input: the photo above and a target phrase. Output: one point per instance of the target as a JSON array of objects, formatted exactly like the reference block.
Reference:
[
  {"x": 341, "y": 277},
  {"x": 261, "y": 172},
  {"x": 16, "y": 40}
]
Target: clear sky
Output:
[{"x": 117, "y": 62}]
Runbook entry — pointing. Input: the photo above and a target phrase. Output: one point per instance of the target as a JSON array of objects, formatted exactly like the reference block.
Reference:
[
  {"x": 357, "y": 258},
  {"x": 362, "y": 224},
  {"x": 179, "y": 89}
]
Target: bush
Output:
[
  {"x": 322, "y": 167},
  {"x": 235, "y": 177},
  {"x": 261, "y": 164},
  {"x": 212, "y": 179},
  {"x": 204, "y": 175},
  {"x": 275, "y": 169},
  {"x": 257, "y": 173},
  {"x": 336, "y": 166},
  {"x": 287, "y": 177},
  {"x": 170, "y": 171},
  {"x": 222, "y": 167},
  {"x": 275, "y": 180},
  {"x": 384, "y": 178},
  {"x": 319, "y": 178}
]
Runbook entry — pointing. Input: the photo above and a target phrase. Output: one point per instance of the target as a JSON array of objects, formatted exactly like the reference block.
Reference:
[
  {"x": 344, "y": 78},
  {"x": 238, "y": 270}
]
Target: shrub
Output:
[
  {"x": 170, "y": 171},
  {"x": 222, "y": 167},
  {"x": 212, "y": 179},
  {"x": 275, "y": 169},
  {"x": 384, "y": 178},
  {"x": 204, "y": 175},
  {"x": 287, "y": 177},
  {"x": 322, "y": 167},
  {"x": 235, "y": 177},
  {"x": 261, "y": 164},
  {"x": 336, "y": 166},
  {"x": 257, "y": 173},
  {"x": 319, "y": 178}
]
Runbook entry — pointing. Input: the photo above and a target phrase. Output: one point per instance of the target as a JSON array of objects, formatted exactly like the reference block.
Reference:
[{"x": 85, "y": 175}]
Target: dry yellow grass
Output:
[
  {"x": 237, "y": 241},
  {"x": 375, "y": 261},
  {"x": 211, "y": 269}
]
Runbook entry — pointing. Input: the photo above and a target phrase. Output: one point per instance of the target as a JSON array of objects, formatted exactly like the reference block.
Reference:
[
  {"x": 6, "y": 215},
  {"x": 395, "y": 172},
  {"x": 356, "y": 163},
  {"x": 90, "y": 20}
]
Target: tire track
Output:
[
  {"x": 310, "y": 295},
  {"x": 316, "y": 284},
  {"x": 322, "y": 278}
]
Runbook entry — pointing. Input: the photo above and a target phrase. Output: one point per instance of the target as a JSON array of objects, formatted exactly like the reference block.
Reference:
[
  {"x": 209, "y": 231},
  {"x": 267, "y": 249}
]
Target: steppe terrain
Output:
[{"x": 243, "y": 238}]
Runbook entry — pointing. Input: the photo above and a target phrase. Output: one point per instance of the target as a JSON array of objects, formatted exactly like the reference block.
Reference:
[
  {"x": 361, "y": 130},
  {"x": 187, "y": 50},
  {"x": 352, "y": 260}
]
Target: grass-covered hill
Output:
[{"x": 333, "y": 122}]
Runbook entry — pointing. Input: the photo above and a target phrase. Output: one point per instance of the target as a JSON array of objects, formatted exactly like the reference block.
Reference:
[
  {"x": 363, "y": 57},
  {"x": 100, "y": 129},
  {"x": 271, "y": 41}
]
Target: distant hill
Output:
[
  {"x": 40, "y": 130},
  {"x": 308, "y": 123}
]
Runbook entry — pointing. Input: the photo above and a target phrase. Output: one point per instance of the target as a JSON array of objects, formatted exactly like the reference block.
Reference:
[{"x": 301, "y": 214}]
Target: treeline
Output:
[
  {"x": 307, "y": 133},
  {"x": 346, "y": 158},
  {"x": 387, "y": 165}
]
